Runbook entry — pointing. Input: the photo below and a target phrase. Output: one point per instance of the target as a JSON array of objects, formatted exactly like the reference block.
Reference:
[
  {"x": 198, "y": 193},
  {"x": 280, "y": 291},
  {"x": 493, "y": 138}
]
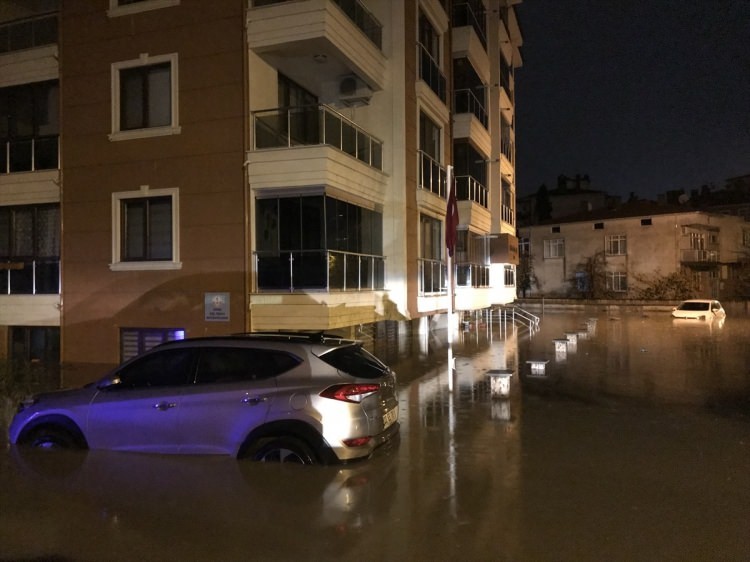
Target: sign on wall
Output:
[{"x": 216, "y": 307}]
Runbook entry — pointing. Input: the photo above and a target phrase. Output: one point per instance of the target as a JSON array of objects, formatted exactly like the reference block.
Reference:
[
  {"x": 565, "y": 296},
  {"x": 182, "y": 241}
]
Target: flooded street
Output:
[{"x": 622, "y": 438}]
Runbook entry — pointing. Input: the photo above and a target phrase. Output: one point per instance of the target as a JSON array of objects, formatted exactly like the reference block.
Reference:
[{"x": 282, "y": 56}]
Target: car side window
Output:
[
  {"x": 170, "y": 367},
  {"x": 235, "y": 364}
]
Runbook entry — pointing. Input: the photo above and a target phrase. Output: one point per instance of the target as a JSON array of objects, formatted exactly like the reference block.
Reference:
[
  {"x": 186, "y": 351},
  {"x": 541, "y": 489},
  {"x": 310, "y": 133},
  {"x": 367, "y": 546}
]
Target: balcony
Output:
[
  {"x": 508, "y": 215},
  {"x": 466, "y": 101},
  {"x": 433, "y": 277},
  {"x": 28, "y": 33},
  {"x": 471, "y": 14},
  {"x": 30, "y": 277},
  {"x": 29, "y": 155},
  {"x": 324, "y": 270},
  {"x": 694, "y": 256},
  {"x": 315, "y": 125},
  {"x": 468, "y": 188},
  {"x": 317, "y": 41},
  {"x": 432, "y": 175},
  {"x": 430, "y": 72}
]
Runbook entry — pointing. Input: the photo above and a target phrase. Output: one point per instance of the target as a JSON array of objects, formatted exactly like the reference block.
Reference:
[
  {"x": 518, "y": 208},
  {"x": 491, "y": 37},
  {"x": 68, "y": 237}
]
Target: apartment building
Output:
[
  {"x": 246, "y": 165},
  {"x": 636, "y": 244}
]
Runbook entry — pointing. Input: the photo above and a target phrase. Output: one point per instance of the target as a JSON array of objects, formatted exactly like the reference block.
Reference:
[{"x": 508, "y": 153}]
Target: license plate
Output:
[{"x": 390, "y": 417}]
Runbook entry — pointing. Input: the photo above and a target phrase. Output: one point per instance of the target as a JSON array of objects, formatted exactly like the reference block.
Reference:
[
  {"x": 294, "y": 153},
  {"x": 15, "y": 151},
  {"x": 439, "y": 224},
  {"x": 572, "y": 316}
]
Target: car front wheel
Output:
[
  {"x": 51, "y": 438},
  {"x": 284, "y": 450}
]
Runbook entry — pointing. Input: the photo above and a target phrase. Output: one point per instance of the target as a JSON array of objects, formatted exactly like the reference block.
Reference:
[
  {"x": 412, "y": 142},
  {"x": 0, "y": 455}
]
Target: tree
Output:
[
  {"x": 590, "y": 278},
  {"x": 675, "y": 286},
  {"x": 526, "y": 279}
]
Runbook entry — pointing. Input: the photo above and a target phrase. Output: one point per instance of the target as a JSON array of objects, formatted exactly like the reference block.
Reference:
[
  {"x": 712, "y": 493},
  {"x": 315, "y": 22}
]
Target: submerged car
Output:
[
  {"x": 699, "y": 309},
  {"x": 302, "y": 398}
]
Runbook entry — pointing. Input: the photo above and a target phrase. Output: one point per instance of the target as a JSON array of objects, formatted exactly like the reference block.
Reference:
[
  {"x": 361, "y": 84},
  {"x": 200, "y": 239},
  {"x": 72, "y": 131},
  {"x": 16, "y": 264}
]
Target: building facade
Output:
[
  {"x": 199, "y": 168},
  {"x": 630, "y": 249}
]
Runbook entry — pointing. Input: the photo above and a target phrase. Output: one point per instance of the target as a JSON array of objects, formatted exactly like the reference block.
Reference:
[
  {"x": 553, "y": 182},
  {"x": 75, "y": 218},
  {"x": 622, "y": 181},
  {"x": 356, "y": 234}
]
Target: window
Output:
[
  {"x": 472, "y": 260},
  {"x": 432, "y": 175},
  {"x": 29, "y": 127},
  {"x": 145, "y": 229},
  {"x": 318, "y": 242},
  {"x": 125, "y": 7},
  {"x": 32, "y": 344},
  {"x": 28, "y": 33},
  {"x": 134, "y": 341},
  {"x": 554, "y": 248},
  {"x": 170, "y": 367},
  {"x": 30, "y": 249},
  {"x": 144, "y": 97},
  {"x": 432, "y": 270},
  {"x": 645, "y": 222},
  {"x": 555, "y": 230},
  {"x": 617, "y": 281},
  {"x": 429, "y": 137},
  {"x": 237, "y": 364},
  {"x": 598, "y": 226},
  {"x": 524, "y": 246},
  {"x": 510, "y": 276},
  {"x": 746, "y": 238},
  {"x": 430, "y": 58},
  {"x": 617, "y": 245}
]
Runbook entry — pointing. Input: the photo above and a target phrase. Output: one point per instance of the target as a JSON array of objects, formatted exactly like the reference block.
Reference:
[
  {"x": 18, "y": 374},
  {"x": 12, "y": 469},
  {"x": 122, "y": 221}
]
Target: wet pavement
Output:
[{"x": 628, "y": 438}]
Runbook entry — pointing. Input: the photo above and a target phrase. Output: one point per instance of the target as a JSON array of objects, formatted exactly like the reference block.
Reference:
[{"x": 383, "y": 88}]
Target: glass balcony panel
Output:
[
  {"x": 352, "y": 272},
  {"x": 309, "y": 270},
  {"x": 336, "y": 270},
  {"x": 46, "y": 153},
  {"x": 21, "y": 156},
  {"x": 274, "y": 272},
  {"x": 47, "y": 278}
]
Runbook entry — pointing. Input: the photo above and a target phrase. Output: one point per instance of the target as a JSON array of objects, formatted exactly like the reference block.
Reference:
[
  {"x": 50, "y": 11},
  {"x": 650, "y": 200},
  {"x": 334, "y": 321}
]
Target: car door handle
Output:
[
  {"x": 164, "y": 406},
  {"x": 253, "y": 400}
]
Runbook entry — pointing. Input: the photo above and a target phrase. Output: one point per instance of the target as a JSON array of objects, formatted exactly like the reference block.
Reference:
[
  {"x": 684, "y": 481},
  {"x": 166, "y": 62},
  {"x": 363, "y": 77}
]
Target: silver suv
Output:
[{"x": 303, "y": 398}]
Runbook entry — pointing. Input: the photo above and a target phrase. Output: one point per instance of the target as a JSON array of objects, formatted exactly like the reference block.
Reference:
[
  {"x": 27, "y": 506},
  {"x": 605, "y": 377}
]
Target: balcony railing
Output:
[
  {"x": 471, "y": 13},
  {"x": 29, "y": 155},
  {"x": 472, "y": 275},
  {"x": 508, "y": 215},
  {"x": 432, "y": 175},
  {"x": 506, "y": 148},
  {"x": 466, "y": 101},
  {"x": 433, "y": 277},
  {"x": 429, "y": 71},
  {"x": 363, "y": 19},
  {"x": 28, "y": 33},
  {"x": 469, "y": 188},
  {"x": 699, "y": 256},
  {"x": 326, "y": 270},
  {"x": 315, "y": 125},
  {"x": 30, "y": 277}
]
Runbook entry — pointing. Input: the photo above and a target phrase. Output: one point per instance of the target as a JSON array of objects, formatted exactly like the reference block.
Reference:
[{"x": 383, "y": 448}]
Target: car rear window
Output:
[
  {"x": 355, "y": 361},
  {"x": 233, "y": 364}
]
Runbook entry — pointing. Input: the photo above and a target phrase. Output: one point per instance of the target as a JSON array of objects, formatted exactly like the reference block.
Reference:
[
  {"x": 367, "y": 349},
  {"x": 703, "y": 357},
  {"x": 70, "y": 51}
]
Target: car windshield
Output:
[
  {"x": 693, "y": 306},
  {"x": 355, "y": 361}
]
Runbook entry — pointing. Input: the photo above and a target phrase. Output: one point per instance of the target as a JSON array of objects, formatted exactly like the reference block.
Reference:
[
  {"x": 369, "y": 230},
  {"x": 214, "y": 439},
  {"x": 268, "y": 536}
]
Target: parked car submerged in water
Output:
[
  {"x": 699, "y": 309},
  {"x": 299, "y": 398}
]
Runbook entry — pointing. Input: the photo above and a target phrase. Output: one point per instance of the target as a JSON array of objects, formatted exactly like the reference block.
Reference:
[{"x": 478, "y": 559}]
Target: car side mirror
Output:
[{"x": 109, "y": 382}]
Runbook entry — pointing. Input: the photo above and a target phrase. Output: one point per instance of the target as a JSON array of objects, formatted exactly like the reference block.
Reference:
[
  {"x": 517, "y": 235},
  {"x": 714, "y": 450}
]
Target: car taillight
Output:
[
  {"x": 350, "y": 392},
  {"x": 357, "y": 441}
]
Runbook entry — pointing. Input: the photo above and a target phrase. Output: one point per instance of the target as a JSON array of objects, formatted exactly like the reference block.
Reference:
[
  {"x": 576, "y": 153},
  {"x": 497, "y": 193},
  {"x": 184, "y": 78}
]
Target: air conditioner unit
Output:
[{"x": 353, "y": 91}]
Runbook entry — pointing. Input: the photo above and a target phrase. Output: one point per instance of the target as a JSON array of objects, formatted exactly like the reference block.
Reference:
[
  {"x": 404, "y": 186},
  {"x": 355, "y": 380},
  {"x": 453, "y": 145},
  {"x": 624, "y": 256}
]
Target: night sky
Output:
[{"x": 644, "y": 96}]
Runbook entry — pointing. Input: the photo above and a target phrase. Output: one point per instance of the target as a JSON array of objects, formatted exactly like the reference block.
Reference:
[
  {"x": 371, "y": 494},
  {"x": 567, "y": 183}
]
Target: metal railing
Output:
[
  {"x": 517, "y": 315},
  {"x": 29, "y": 155},
  {"x": 28, "y": 33},
  {"x": 507, "y": 214},
  {"x": 472, "y": 275},
  {"x": 429, "y": 71},
  {"x": 315, "y": 125},
  {"x": 507, "y": 148},
  {"x": 468, "y": 188},
  {"x": 30, "y": 277},
  {"x": 696, "y": 256},
  {"x": 327, "y": 270},
  {"x": 466, "y": 101},
  {"x": 363, "y": 19},
  {"x": 432, "y": 175},
  {"x": 471, "y": 13},
  {"x": 433, "y": 277}
]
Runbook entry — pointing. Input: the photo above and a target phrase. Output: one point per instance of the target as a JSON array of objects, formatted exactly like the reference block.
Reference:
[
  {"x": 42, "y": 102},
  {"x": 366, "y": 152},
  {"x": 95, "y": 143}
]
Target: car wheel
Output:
[
  {"x": 51, "y": 438},
  {"x": 284, "y": 450}
]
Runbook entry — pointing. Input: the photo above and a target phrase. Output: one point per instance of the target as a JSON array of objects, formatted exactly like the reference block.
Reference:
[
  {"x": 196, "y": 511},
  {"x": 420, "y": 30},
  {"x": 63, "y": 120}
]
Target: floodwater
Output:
[{"x": 628, "y": 438}]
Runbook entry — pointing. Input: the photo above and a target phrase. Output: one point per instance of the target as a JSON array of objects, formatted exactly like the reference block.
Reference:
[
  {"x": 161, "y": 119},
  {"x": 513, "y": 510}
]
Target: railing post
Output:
[{"x": 291, "y": 272}]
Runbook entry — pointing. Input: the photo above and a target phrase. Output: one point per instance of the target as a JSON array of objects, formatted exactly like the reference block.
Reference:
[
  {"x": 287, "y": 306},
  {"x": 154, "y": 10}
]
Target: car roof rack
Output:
[{"x": 312, "y": 336}]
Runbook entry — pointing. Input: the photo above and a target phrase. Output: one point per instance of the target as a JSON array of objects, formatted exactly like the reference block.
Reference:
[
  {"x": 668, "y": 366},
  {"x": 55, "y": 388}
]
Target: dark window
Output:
[
  {"x": 429, "y": 137},
  {"x": 29, "y": 127},
  {"x": 235, "y": 364},
  {"x": 170, "y": 367},
  {"x": 645, "y": 222},
  {"x": 134, "y": 341},
  {"x": 146, "y": 96},
  {"x": 555, "y": 229},
  {"x": 598, "y": 225},
  {"x": 146, "y": 229},
  {"x": 30, "y": 249},
  {"x": 355, "y": 361},
  {"x": 35, "y": 344}
]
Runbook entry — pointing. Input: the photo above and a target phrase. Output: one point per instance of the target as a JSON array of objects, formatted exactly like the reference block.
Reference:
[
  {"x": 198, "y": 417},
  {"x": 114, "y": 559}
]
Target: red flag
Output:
[{"x": 451, "y": 220}]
